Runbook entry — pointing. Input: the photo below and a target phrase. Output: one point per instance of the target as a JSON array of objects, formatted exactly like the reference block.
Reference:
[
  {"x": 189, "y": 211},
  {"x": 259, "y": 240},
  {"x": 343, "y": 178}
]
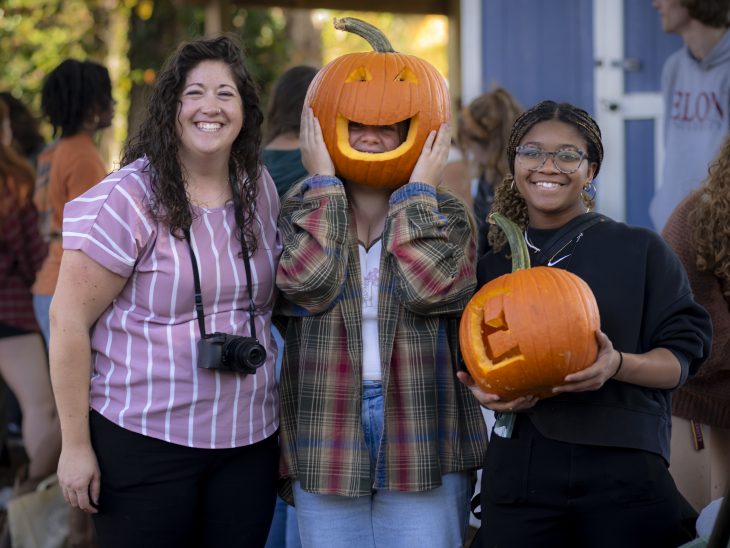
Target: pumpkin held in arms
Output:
[
  {"x": 377, "y": 88},
  {"x": 523, "y": 332}
]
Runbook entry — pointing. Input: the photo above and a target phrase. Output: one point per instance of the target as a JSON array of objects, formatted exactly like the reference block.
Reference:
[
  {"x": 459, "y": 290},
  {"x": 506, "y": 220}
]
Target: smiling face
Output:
[
  {"x": 553, "y": 197},
  {"x": 210, "y": 113},
  {"x": 375, "y": 139}
]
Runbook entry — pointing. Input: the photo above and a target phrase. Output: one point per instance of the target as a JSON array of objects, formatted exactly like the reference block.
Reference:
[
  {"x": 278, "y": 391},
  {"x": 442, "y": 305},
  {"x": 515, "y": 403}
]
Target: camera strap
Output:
[{"x": 199, "y": 293}]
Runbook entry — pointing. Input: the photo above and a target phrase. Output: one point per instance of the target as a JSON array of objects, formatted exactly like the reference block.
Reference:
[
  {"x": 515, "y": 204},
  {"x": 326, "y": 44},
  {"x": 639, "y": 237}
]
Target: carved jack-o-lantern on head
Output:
[
  {"x": 377, "y": 88},
  {"x": 523, "y": 332}
]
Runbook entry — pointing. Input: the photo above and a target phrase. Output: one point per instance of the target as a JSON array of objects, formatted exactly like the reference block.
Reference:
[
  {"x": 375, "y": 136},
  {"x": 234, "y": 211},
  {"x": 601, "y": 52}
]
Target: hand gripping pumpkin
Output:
[
  {"x": 377, "y": 88},
  {"x": 523, "y": 332}
]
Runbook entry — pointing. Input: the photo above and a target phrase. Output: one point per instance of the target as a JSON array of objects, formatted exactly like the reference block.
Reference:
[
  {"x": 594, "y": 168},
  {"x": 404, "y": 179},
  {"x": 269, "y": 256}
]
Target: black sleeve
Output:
[
  {"x": 492, "y": 265},
  {"x": 674, "y": 320}
]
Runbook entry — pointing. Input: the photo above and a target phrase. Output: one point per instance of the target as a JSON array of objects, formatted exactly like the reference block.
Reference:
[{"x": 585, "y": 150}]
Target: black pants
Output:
[
  {"x": 158, "y": 494},
  {"x": 546, "y": 493}
]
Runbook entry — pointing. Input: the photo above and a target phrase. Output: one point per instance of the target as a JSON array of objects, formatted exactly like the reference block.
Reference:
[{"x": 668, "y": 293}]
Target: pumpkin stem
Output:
[
  {"x": 515, "y": 239},
  {"x": 372, "y": 34}
]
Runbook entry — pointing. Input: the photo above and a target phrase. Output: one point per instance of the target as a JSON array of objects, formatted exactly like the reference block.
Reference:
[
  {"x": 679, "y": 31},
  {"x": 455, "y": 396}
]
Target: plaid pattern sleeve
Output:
[
  {"x": 433, "y": 425},
  {"x": 432, "y": 249},
  {"x": 313, "y": 222}
]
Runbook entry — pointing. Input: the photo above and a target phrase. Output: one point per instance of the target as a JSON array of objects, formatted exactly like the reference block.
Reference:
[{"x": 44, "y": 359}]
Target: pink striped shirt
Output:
[{"x": 144, "y": 355}]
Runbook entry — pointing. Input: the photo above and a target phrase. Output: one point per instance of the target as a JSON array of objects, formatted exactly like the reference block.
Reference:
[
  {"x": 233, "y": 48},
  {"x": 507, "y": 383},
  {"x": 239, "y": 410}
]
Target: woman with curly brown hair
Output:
[
  {"x": 161, "y": 321},
  {"x": 556, "y": 467},
  {"x": 482, "y": 134},
  {"x": 699, "y": 232}
]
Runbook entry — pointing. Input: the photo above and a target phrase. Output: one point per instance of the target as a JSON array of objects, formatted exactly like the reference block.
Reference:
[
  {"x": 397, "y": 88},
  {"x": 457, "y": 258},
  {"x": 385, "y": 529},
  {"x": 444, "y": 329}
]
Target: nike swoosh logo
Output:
[{"x": 553, "y": 263}]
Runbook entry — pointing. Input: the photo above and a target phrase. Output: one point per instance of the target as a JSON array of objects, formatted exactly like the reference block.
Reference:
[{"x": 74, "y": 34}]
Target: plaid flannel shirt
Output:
[{"x": 432, "y": 424}]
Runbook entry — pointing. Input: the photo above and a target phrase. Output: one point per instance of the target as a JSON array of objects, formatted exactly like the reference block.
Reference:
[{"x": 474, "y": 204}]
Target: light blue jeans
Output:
[
  {"x": 386, "y": 519},
  {"x": 41, "y": 307}
]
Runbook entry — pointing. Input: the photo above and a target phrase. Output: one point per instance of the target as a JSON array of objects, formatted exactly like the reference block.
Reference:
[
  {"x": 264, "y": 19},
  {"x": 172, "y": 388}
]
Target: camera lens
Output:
[{"x": 244, "y": 354}]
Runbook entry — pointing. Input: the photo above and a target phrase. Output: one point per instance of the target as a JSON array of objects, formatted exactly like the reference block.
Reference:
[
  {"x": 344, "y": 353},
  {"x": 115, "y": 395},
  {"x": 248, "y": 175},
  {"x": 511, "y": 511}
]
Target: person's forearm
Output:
[
  {"x": 658, "y": 368},
  {"x": 70, "y": 360}
]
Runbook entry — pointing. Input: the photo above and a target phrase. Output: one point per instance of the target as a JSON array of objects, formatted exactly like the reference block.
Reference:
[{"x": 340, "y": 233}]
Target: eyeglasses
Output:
[{"x": 533, "y": 158}]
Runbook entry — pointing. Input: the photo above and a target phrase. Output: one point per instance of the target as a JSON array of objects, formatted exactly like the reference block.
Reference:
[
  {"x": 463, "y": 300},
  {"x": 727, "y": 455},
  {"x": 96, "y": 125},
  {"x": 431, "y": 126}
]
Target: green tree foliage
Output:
[
  {"x": 155, "y": 33},
  {"x": 36, "y": 35},
  {"x": 424, "y": 36}
]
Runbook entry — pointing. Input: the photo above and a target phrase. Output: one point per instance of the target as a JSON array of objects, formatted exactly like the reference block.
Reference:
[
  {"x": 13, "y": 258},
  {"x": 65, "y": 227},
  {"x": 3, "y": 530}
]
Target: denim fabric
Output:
[
  {"x": 42, "y": 307},
  {"x": 284, "y": 532},
  {"x": 387, "y": 519},
  {"x": 372, "y": 422},
  {"x": 437, "y": 518}
]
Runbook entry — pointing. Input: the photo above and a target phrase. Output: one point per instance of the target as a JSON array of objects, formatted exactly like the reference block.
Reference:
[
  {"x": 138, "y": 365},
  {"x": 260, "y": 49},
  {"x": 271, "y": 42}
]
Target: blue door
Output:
[{"x": 602, "y": 55}]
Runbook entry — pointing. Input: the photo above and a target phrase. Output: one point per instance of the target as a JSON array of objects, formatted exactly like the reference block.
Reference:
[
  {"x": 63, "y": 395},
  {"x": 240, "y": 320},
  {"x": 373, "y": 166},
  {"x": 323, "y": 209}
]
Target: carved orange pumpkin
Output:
[
  {"x": 523, "y": 332},
  {"x": 379, "y": 88}
]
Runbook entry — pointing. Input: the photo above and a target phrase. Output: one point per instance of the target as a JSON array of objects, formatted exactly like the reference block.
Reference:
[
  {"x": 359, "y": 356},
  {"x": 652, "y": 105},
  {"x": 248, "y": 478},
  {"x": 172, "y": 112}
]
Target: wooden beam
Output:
[{"x": 438, "y": 7}]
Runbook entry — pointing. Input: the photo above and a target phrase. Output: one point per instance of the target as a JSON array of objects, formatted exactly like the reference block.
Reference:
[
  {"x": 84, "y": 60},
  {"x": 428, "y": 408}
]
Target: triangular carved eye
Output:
[
  {"x": 407, "y": 75},
  {"x": 360, "y": 74}
]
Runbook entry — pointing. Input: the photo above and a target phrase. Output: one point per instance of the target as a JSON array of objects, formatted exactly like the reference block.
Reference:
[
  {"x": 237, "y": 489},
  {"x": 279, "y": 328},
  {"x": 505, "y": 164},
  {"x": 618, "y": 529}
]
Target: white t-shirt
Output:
[{"x": 370, "y": 277}]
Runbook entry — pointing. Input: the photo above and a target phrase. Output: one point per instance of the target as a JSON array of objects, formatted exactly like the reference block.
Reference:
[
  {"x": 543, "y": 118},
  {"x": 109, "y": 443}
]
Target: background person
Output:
[
  {"x": 699, "y": 233},
  {"x": 179, "y": 442},
  {"x": 27, "y": 138},
  {"x": 483, "y": 133},
  {"x": 600, "y": 446},
  {"x": 77, "y": 100},
  {"x": 696, "y": 94},
  {"x": 283, "y": 160},
  {"x": 23, "y": 363},
  {"x": 282, "y": 156}
]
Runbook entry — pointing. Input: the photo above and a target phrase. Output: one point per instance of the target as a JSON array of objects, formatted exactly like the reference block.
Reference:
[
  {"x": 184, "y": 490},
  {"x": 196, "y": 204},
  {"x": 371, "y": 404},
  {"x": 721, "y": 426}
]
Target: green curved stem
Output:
[
  {"x": 372, "y": 34},
  {"x": 516, "y": 241}
]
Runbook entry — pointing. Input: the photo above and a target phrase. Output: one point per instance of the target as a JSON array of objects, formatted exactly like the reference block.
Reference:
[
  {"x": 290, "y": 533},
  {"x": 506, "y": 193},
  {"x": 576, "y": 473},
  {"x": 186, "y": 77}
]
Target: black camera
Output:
[{"x": 230, "y": 353}]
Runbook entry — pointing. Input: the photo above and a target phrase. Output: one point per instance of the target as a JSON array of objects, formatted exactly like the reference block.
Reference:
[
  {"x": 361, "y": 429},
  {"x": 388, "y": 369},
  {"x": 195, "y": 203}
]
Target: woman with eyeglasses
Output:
[{"x": 588, "y": 466}]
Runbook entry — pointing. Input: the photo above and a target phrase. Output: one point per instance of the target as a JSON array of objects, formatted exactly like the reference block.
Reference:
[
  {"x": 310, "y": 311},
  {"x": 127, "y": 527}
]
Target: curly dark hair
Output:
[
  {"x": 713, "y": 13},
  {"x": 285, "y": 108},
  {"x": 710, "y": 230},
  {"x": 158, "y": 138},
  {"x": 507, "y": 199},
  {"x": 72, "y": 92}
]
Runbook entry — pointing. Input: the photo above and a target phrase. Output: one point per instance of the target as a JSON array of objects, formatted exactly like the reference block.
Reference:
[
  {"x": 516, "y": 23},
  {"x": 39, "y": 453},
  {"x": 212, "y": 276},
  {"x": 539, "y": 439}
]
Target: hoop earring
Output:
[
  {"x": 512, "y": 184},
  {"x": 589, "y": 189}
]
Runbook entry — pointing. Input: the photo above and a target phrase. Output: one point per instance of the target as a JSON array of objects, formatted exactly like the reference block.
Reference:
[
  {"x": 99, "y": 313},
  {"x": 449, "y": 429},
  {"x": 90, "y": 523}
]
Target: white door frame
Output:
[
  {"x": 471, "y": 49},
  {"x": 613, "y": 107}
]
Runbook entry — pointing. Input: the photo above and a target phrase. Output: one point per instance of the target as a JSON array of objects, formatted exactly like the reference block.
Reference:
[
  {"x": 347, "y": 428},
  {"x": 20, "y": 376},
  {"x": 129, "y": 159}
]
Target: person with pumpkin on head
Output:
[
  {"x": 585, "y": 463},
  {"x": 378, "y": 437}
]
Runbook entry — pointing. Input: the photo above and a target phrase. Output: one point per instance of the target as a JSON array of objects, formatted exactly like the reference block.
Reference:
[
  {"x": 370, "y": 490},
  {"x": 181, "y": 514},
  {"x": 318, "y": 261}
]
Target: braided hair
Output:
[
  {"x": 73, "y": 92},
  {"x": 507, "y": 199},
  {"x": 158, "y": 139}
]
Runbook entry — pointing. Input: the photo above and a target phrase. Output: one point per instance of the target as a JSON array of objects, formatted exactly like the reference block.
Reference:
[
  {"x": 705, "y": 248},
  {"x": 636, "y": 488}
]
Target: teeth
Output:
[
  {"x": 208, "y": 126},
  {"x": 547, "y": 184}
]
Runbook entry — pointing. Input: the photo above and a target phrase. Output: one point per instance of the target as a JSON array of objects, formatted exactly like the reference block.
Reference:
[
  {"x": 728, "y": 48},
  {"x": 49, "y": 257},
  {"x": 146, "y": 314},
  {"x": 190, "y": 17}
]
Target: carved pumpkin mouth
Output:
[{"x": 343, "y": 141}]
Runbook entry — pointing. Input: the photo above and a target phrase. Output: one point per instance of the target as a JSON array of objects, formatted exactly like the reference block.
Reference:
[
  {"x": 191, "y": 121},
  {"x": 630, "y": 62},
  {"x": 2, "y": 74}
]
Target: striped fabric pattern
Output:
[
  {"x": 144, "y": 375},
  {"x": 433, "y": 425}
]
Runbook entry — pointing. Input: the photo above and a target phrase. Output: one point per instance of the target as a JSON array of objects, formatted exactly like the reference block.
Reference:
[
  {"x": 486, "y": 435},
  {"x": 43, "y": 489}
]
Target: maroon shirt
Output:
[{"x": 21, "y": 253}]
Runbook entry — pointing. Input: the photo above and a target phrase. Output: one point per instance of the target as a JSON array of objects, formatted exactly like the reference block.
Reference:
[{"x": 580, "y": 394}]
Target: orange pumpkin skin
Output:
[
  {"x": 378, "y": 88},
  {"x": 523, "y": 332}
]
